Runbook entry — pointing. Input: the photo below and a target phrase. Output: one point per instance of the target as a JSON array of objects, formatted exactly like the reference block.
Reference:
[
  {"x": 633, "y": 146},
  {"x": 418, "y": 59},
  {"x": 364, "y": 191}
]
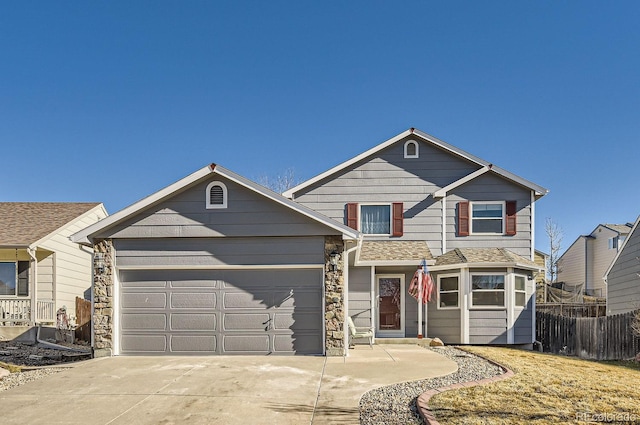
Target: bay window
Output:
[{"x": 487, "y": 290}]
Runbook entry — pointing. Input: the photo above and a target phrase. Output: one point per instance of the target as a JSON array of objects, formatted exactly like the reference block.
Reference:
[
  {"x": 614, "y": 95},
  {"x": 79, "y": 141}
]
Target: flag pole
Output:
[{"x": 420, "y": 289}]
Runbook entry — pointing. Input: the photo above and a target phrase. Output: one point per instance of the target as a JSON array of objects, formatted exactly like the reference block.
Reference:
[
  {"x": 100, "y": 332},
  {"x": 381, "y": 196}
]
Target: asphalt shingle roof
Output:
[
  {"x": 395, "y": 250},
  {"x": 23, "y": 223},
  {"x": 620, "y": 228},
  {"x": 482, "y": 255}
]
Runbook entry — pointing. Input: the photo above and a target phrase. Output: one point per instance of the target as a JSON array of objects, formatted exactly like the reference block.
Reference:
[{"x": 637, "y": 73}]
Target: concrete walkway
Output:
[{"x": 218, "y": 390}]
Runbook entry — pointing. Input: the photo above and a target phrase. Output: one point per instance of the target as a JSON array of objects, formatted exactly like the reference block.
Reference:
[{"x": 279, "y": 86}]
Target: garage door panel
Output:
[
  {"x": 144, "y": 321},
  {"x": 301, "y": 344},
  {"x": 243, "y": 300},
  {"x": 145, "y": 300},
  {"x": 193, "y": 343},
  {"x": 246, "y": 322},
  {"x": 221, "y": 311},
  {"x": 297, "y": 322},
  {"x": 144, "y": 343},
  {"x": 246, "y": 344},
  {"x": 204, "y": 283},
  {"x": 194, "y": 322},
  {"x": 193, "y": 300}
]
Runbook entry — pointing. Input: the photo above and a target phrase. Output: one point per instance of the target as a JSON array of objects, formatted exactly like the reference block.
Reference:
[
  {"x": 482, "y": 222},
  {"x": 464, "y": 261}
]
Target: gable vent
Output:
[{"x": 216, "y": 195}]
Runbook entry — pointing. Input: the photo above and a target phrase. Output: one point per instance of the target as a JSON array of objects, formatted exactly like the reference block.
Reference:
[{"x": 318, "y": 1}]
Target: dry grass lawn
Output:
[{"x": 546, "y": 389}]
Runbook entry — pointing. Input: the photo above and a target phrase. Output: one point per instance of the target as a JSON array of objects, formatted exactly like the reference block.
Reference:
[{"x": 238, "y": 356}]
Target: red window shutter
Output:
[
  {"x": 398, "y": 219},
  {"x": 510, "y": 225},
  {"x": 352, "y": 215},
  {"x": 463, "y": 218}
]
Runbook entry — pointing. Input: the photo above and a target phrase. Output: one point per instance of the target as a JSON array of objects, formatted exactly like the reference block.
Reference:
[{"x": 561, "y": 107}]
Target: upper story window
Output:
[
  {"x": 487, "y": 217},
  {"x": 487, "y": 290},
  {"x": 375, "y": 219},
  {"x": 216, "y": 195},
  {"x": 411, "y": 149},
  {"x": 616, "y": 242}
]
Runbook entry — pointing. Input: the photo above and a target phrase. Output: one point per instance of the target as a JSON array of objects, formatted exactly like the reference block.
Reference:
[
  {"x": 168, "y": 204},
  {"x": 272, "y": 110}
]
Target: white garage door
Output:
[{"x": 267, "y": 311}]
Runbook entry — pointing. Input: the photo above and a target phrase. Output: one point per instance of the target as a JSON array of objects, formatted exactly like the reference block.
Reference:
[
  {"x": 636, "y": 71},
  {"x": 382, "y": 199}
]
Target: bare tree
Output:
[
  {"x": 554, "y": 233},
  {"x": 280, "y": 182}
]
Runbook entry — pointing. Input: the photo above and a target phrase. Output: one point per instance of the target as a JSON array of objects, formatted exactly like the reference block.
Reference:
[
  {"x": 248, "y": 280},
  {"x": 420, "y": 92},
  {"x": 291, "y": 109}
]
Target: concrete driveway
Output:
[{"x": 218, "y": 390}]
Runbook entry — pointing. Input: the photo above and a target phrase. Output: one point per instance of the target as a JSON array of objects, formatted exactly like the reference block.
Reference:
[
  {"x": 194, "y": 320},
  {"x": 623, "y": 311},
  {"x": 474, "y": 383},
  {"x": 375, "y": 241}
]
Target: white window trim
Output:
[
  {"x": 209, "y": 206},
  {"x": 487, "y": 307},
  {"x": 471, "y": 218},
  {"x": 459, "y": 291},
  {"x": 15, "y": 290},
  {"x": 380, "y": 204},
  {"x": 515, "y": 291},
  {"x": 409, "y": 142}
]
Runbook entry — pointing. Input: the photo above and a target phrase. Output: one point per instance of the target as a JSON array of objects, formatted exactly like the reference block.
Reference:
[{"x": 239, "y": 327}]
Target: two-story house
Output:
[
  {"x": 585, "y": 262},
  {"x": 413, "y": 198},
  {"x": 217, "y": 264}
]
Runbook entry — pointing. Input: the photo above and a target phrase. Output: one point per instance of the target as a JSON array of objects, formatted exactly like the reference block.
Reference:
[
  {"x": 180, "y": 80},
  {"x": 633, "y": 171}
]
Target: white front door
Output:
[{"x": 390, "y": 314}]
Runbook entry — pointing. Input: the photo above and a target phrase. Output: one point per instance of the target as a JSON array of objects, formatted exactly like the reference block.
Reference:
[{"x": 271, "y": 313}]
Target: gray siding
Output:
[
  {"x": 623, "y": 283},
  {"x": 444, "y": 324},
  {"x": 389, "y": 177},
  {"x": 248, "y": 214},
  {"x": 487, "y": 327},
  {"x": 216, "y": 252},
  {"x": 522, "y": 328},
  {"x": 360, "y": 296},
  {"x": 490, "y": 187}
]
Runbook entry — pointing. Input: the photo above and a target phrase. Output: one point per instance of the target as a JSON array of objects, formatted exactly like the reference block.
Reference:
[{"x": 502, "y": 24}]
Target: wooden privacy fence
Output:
[
  {"x": 574, "y": 309},
  {"x": 83, "y": 320},
  {"x": 595, "y": 338}
]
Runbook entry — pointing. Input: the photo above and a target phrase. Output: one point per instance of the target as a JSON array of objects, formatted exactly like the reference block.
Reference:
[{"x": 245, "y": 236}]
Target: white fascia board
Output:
[
  {"x": 416, "y": 263},
  {"x": 624, "y": 244},
  {"x": 539, "y": 190},
  {"x": 443, "y": 192},
  {"x": 289, "y": 193},
  {"x": 59, "y": 229},
  {"x": 82, "y": 236},
  {"x": 347, "y": 232},
  {"x": 484, "y": 265}
]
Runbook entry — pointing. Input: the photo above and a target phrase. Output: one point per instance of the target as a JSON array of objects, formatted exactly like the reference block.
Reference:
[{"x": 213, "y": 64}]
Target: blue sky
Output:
[{"x": 111, "y": 101}]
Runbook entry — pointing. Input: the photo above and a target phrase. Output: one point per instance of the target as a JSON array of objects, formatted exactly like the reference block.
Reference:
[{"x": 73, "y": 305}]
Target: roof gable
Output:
[
  {"x": 483, "y": 165},
  {"x": 129, "y": 213},
  {"x": 23, "y": 224},
  {"x": 624, "y": 244}
]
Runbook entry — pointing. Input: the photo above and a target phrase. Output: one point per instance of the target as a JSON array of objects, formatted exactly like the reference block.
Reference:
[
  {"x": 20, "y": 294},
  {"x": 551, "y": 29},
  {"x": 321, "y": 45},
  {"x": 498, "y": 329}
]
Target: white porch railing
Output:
[
  {"x": 45, "y": 312},
  {"x": 15, "y": 312}
]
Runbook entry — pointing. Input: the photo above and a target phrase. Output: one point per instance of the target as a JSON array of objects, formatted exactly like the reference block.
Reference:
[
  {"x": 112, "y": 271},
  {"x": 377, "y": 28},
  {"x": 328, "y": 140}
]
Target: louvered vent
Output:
[{"x": 216, "y": 195}]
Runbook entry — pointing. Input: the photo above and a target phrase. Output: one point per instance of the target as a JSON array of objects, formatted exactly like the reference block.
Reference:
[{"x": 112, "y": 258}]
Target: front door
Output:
[{"x": 390, "y": 295}]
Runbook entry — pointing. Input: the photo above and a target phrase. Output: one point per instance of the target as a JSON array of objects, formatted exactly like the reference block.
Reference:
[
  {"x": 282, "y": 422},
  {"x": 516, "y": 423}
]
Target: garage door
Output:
[{"x": 221, "y": 312}]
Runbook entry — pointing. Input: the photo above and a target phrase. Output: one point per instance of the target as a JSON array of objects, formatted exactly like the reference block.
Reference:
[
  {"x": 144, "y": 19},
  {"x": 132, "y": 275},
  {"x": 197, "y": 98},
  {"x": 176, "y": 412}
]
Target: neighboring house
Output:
[
  {"x": 41, "y": 270},
  {"x": 416, "y": 198},
  {"x": 622, "y": 278},
  {"x": 218, "y": 264},
  {"x": 585, "y": 262}
]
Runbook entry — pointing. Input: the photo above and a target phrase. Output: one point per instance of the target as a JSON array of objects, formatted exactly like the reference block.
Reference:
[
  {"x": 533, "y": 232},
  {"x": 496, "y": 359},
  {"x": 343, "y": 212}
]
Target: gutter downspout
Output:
[
  {"x": 345, "y": 273},
  {"x": 34, "y": 305}
]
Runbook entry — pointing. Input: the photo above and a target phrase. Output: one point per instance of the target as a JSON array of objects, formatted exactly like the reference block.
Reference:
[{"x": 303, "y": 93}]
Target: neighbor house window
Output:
[
  {"x": 487, "y": 217},
  {"x": 521, "y": 291},
  {"x": 616, "y": 242},
  {"x": 487, "y": 290},
  {"x": 216, "y": 195},
  {"x": 8, "y": 279},
  {"x": 448, "y": 291},
  {"x": 375, "y": 219},
  {"x": 411, "y": 149}
]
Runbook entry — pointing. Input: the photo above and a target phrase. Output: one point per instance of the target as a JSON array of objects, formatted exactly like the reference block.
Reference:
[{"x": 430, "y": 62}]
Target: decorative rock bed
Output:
[{"x": 396, "y": 404}]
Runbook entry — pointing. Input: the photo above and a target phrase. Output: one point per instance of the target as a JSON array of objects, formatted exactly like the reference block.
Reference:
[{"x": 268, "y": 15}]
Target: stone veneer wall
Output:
[
  {"x": 334, "y": 298},
  {"x": 103, "y": 302}
]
